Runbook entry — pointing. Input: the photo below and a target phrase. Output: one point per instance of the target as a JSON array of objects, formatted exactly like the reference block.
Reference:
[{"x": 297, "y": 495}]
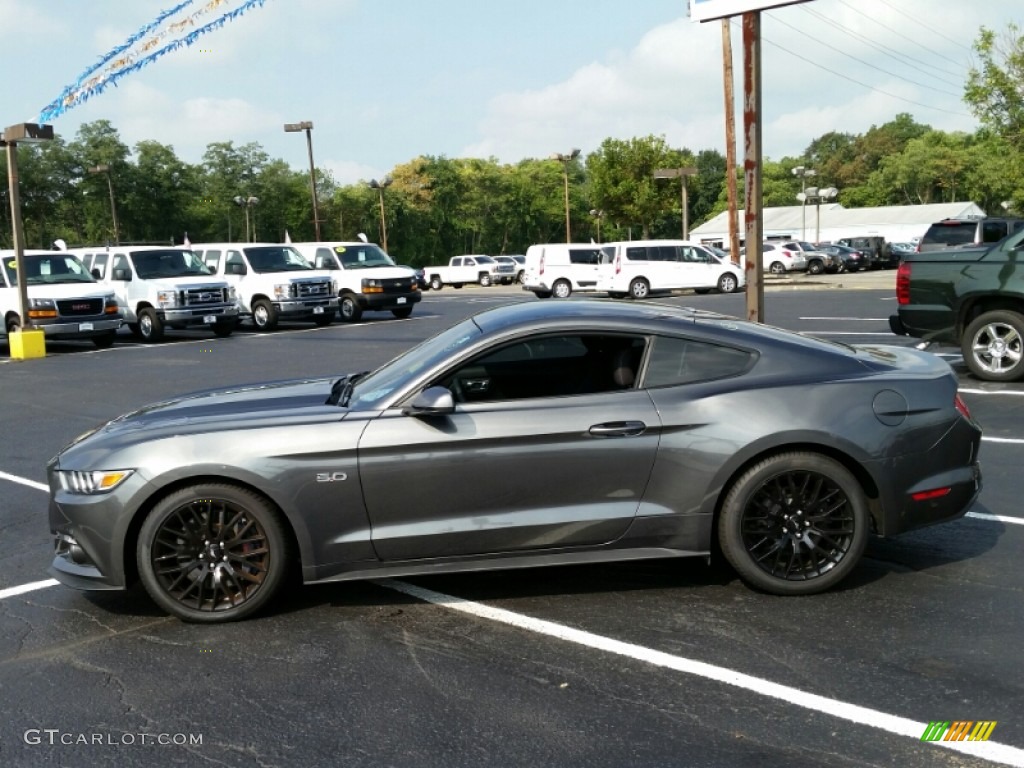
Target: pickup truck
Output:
[
  {"x": 467, "y": 269},
  {"x": 971, "y": 297}
]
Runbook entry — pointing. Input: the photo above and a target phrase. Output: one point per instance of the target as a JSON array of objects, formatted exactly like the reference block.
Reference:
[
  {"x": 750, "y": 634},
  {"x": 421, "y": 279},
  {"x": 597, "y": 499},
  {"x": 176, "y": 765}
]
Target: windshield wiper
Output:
[{"x": 341, "y": 390}]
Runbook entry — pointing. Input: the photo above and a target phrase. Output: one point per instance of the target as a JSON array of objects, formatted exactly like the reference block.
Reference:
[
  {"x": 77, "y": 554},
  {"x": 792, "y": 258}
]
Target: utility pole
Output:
[{"x": 730, "y": 144}]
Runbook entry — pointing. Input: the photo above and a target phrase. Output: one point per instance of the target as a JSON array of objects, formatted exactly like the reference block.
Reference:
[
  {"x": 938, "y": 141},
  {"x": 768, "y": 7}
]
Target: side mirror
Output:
[
  {"x": 433, "y": 401},
  {"x": 97, "y": 274},
  {"x": 122, "y": 274}
]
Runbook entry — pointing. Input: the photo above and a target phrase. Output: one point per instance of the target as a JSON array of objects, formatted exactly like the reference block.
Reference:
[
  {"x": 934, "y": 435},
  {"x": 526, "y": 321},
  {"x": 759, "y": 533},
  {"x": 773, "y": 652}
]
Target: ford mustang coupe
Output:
[{"x": 534, "y": 434}]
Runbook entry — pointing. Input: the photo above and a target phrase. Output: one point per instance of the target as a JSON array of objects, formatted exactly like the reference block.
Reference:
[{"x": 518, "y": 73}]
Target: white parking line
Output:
[
  {"x": 1007, "y": 440},
  {"x": 996, "y": 518},
  {"x": 858, "y": 319},
  {"x": 901, "y": 726},
  {"x": 1010, "y": 392},
  {"x": 24, "y": 481},
  {"x": 845, "y": 333},
  {"x": 22, "y": 589}
]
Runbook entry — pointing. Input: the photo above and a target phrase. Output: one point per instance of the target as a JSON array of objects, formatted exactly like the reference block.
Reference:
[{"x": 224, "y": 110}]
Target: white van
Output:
[
  {"x": 273, "y": 282},
  {"x": 365, "y": 278},
  {"x": 558, "y": 269},
  {"x": 638, "y": 268}
]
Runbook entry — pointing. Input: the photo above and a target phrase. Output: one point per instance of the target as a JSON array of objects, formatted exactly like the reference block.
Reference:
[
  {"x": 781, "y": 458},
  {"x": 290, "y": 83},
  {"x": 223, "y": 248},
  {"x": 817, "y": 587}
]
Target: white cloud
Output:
[{"x": 350, "y": 171}]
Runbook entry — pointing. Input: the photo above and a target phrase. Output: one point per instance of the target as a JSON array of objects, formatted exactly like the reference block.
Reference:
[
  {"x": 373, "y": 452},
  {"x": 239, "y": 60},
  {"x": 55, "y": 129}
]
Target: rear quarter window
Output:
[{"x": 676, "y": 361}]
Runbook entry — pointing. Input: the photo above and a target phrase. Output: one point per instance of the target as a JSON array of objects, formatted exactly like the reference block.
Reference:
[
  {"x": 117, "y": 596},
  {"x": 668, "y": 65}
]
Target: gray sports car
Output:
[{"x": 534, "y": 434}]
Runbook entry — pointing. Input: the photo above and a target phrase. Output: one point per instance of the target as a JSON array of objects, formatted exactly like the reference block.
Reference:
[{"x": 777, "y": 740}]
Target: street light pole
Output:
[
  {"x": 105, "y": 170},
  {"x": 803, "y": 173},
  {"x": 681, "y": 174},
  {"x": 380, "y": 186},
  {"x": 597, "y": 214},
  {"x": 307, "y": 126},
  {"x": 247, "y": 203},
  {"x": 565, "y": 159}
]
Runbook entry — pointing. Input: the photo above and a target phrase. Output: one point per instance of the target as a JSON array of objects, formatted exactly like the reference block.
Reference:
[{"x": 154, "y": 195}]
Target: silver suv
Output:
[{"x": 967, "y": 233}]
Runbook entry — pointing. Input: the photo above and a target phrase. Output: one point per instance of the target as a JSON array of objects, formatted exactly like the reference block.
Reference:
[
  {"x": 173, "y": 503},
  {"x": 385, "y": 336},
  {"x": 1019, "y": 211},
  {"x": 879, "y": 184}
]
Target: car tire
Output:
[
  {"x": 105, "y": 340},
  {"x": 993, "y": 346},
  {"x": 728, "y": 283},
  {"x": 815, "y": 267},
  {"x": 777, "y": 268},
  {"x": 562, "y": 289},
  {"x": 224, "y": 328},
  {"x": 456, "y": 285},
  {"x": 542, "y": 294},
  {"x": 436, "y": 284},
  {"x": 151, "y": 327},
  {"x": 325, "y": 319},
  {"x": 349, "y": 309},
  {"x": 264, "y": 316},
  {"x": 402, "y": 312},
  {"x": 13, "y": 324},
  {"x": 195, "y": 571},
  {"x": 521, "y": 276},
  {"x": 794, "y": 524},
  {"x": 485, "y": 279},
  {"x": 639, "y": 288},
  {"x": 702, "y": 291}
]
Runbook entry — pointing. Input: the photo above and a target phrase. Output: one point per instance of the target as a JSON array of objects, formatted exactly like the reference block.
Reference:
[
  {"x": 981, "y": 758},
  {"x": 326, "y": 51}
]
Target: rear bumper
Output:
[{"x": 923, "y": 321}]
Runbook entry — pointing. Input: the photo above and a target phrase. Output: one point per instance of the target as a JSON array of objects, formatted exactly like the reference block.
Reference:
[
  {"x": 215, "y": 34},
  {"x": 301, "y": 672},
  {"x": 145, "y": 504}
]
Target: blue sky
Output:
[{"x": 387, "y": 80}]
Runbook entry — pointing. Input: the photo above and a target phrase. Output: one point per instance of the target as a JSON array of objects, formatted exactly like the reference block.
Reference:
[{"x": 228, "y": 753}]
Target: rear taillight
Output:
[
  {"x": 961, "y": 406},
  {"x": 618, "y": 263},
  {"x": 542, "y": 264},
  {"x": 903, "y": 283}
]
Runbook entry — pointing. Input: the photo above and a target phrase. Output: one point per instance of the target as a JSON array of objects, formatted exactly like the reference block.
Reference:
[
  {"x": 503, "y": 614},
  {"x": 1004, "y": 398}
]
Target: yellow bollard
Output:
[{"x": 26, "y": 345}]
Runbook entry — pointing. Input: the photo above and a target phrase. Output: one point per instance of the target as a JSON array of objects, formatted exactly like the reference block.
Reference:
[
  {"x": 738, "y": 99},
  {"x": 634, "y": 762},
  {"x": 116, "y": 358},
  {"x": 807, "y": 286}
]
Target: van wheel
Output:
[
  {"x": 151, "y": 327},
  {"x": 402, "y": 312},
  {"x": 562, "y": 289},
  {"x": 349, "y": 309},
  {"x": 436, "y": 284},
  {"x": 264, "y": 316},
  {"x": 104, "y": 341},
  {"x": 224, "y": 328},
  {"x": 639, "y": 288},
  {"x": 325, "y": 319}
]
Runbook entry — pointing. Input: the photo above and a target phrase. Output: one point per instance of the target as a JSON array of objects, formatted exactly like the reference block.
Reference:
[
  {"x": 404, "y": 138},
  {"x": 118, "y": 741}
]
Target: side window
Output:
[
  {"x": 636, "y": 253},
  {"x": 766, "y": 247},
  {"x": 121, "y": 262},
  {"x": 98, "y": 265},
  {"x": 324, "y": 259},
  {"x": 684, "y": 361},
  {"x": 457, "y": 262},
  {"x": 584, "y": 256},
  {"x": 212, "y": 259},
  {"x": 549, "y": 366},
  {"x": 993, "y": 231},
  {"x": 234, "y": 263}
]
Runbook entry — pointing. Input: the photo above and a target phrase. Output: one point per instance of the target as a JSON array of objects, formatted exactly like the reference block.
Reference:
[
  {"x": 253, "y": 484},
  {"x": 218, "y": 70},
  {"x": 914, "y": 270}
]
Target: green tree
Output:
[{"x": 995, "y": 88}]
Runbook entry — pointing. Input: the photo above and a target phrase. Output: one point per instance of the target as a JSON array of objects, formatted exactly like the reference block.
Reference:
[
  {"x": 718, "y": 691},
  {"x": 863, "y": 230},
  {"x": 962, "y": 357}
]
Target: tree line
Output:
[{"x": 436, "y": 207}]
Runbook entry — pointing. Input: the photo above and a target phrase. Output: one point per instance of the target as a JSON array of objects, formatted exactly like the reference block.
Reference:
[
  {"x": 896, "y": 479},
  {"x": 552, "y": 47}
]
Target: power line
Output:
[
  {"x": 918, "y": 21},
  {"x": 868, "y": 64}
]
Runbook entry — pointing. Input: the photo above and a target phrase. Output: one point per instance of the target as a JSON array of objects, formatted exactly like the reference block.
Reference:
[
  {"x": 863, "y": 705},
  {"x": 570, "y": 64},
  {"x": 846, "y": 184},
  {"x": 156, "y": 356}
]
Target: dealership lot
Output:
[{"x": 657, "y": 663}]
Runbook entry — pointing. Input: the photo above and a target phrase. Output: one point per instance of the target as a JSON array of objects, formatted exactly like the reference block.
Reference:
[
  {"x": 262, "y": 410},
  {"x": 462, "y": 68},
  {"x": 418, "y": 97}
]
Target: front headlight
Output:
[
  {"x": 232, "y": 294},
  {"x": 284, "y": 291},
  {"x": 167, "y": 299},
  {"x": 372, "y": 286},
  {"x": 91, "y": 483},
  {"x": 42, "y": 304}
]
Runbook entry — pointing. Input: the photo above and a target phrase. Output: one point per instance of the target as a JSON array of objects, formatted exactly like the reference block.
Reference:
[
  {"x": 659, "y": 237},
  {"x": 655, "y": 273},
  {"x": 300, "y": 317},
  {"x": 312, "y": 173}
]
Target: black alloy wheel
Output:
[
  {"x": 794, "y": 524},
  {"x": 212, "y": 553}
]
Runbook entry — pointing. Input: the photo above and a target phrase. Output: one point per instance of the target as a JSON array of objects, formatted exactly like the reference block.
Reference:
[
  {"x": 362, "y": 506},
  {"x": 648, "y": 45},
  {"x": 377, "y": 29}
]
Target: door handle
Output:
[{"x": 618, "y": 429}]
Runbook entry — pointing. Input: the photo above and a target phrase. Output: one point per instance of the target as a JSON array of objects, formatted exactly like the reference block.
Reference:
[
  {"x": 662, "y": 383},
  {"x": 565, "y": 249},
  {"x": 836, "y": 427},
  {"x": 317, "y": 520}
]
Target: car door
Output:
[{"x": 550, "y": 446}]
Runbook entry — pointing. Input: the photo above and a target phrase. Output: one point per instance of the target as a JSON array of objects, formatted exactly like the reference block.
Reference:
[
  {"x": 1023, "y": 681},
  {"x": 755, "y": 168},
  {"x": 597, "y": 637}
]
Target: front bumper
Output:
[
  {"x": 306, "y": 307},
  {"x": 199, "y": 315},
  {"x": 375, "y": 301},
  {"x": 79, "y": 329}
]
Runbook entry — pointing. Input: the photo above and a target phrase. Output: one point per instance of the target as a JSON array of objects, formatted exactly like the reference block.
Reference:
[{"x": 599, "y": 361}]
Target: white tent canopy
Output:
[{"x": 896, "y": 223}]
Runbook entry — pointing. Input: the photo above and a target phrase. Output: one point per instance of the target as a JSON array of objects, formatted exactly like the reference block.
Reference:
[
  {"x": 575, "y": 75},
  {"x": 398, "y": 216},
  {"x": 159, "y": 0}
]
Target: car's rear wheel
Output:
[
  {"x": 402, "y": 312},
  {"x": 777, "y": 268},
  {"x": 728, "y": 283},
  {"x": 993, "y": 346},
  {"x": 562, "y": 289},
  {"x": 264, "y": 316},
  {"x": 542, "y": 294},
  {"x": 349, "y": 309},
  {"x": 521, "y": 276},
  {"x": 436, "y": 284},
  {"x": 794, "y": 524},
  {"x": 151, "y": 327},
  {"x": 213, "y": 552},
  {"x": 639, "y": 288}
]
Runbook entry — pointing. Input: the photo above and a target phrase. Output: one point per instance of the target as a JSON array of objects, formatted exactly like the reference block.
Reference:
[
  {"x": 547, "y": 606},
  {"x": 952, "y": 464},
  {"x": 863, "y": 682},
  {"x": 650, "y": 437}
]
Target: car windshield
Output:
[
  {"x": 955, "y": 233},
  {"x": 169, "y": 263},
  {"x": 276, "y": 258},
  {"x": 363, "y": 257},
  {"x": 372, "y": 390},
  {"x": 484, "y": 260},
  {"x": 49, "y": 268}
]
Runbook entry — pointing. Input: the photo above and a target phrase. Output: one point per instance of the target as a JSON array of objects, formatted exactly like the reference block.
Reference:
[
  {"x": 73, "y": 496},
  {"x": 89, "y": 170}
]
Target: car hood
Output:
[{"x": 244, "y": 407}]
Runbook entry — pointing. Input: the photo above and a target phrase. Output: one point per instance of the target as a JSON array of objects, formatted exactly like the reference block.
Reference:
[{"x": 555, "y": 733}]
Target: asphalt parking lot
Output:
[{"x": 649, "y": 664}]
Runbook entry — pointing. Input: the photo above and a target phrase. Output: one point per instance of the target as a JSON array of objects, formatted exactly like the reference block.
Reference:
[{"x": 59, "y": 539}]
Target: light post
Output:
[
  {"x": 803, "y": 173},
  {"x": 817, "y": 196},
  {"x": 28, "y": 342},
  {"x": 247, "y": 203},
  {"x": 105, "y": 169},
  {"x": 307, "y": 126},
  {"x": 680, "y": 173},
  {"x": 597, "y": 214},
  {"x": 565, "y": 160},
  {"x": 380, "y": 186}
]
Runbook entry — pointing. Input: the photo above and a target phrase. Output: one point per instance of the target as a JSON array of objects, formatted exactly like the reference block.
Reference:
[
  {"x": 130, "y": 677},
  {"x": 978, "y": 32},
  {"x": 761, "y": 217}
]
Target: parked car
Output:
[
  {"x": 640, "y": 268},
  {"x": 878, "y": 250},
  {"x": 420, "y": 275},
  {"x": 818, "y": 261},
  {"x": 846, "y": 259},
  {"x": 778, "y": 259},
  {"x": 903, "y": 249},
  {"x": 559, "y": 269},
  {"x": 466, "y": 270},
  {"x": 507, "y": 277},
  {"x": 520, "y": 260},
  {"x": 537, "y": 433},
  {"x": 967, "y": 233}
]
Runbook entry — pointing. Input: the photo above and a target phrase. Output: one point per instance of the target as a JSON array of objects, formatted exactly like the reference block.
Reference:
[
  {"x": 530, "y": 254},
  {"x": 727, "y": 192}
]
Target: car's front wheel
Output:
[
  {"x": 224, "y": 328},
  {"x": 402, "y": 312},
  {"x": 815, "y": 267},
  {"x": 264, "y": 316},
  {"x": 213, "y": 552},
  {"x": 151, "y": 327},
  {"x": 794, "y": 524},
  {"x": 728, "y": 283},
  {"x": 485, "y": 279},
  {"x": 349, "y": 309},
  {"x": 993, "y": 346},
  {"x": 324, "y": 319}
]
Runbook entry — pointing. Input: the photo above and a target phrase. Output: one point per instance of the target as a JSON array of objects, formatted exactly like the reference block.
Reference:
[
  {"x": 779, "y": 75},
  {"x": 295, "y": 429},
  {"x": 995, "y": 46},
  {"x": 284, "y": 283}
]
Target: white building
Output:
[{"x": 830, "y": 222}]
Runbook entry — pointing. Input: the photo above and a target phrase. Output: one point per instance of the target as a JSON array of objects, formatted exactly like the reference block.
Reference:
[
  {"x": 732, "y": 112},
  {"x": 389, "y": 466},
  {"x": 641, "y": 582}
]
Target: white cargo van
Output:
[
  {"x": 638, "y": 268},
  {"x": 273, "y": 282},
  {"x": 160, "y": 287},
  {"x": 366, "y": 278},
  {"x": 558, "y": 269},
  {"x": 64, "y": 300}
]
